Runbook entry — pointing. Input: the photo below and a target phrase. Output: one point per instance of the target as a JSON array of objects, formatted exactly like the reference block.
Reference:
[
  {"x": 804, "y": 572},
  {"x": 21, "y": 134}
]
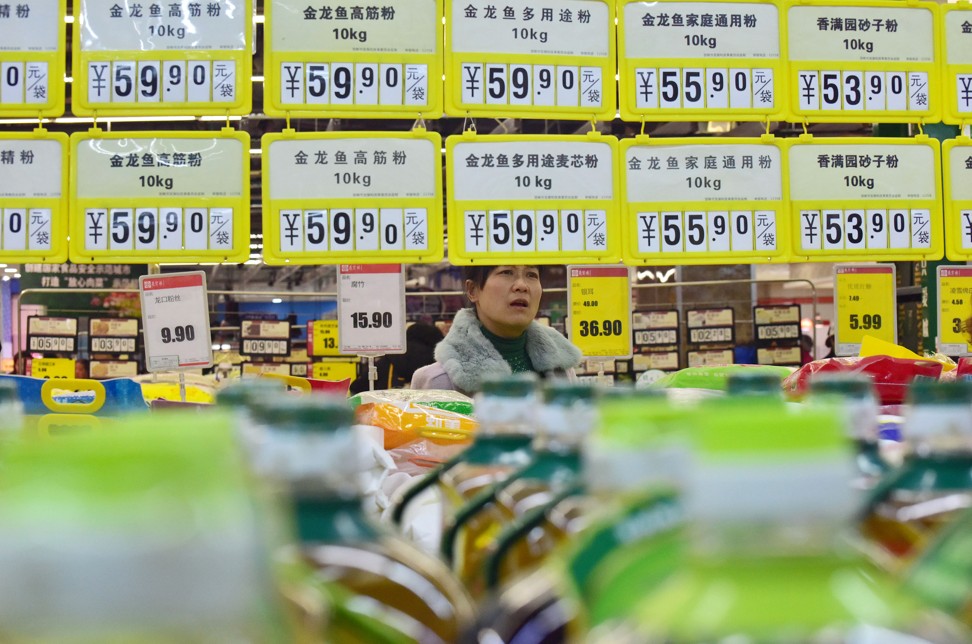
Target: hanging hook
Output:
[
  {"x": 921, "y": 129},
  {"x": 288, "y": 120},
  {"x": 469, "y": 123},
  {"x": 419, "y": 123},
  {"x": 642, "y": 125},
  {"x": 805, "y": 126}
]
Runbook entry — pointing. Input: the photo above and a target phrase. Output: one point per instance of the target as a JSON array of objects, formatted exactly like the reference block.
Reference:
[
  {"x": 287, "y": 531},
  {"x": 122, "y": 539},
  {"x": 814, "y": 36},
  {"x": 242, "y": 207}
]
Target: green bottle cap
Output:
[
  {"x": 755, "y": 381},
  {"x": 940, "y": 392},
  {"x": 306, "y": 412},
  {"x": 8, "y": 391},
  {"x": 518, "y": 385},
  {"x": 567, "y": 393},
  {"x": 847, "y": 385},
  {"x": 244, "y": 393}
]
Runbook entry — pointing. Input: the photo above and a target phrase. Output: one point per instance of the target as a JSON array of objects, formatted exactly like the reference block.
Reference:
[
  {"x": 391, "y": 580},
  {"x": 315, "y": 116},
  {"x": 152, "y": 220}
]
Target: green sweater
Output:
[{"x": 513, "y": 350}]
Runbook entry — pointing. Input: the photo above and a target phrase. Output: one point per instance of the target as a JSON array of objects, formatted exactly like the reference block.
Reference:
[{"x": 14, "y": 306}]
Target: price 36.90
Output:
[{"x": 605, "y": 328}]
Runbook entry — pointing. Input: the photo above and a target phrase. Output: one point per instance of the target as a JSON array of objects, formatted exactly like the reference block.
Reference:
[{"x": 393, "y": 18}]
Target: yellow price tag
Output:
[
  {"x": 955, "y": 310},
  {"x": 323, "y": 338},
  {"x": 335, "y": 369},
  {"x": 866, "y": 305},
  {"x": 957, "y": 159},
  {"x": 32, "y": 58},
  {"x": 600, "y": 310},
  {"x": 52, "y": 368}
]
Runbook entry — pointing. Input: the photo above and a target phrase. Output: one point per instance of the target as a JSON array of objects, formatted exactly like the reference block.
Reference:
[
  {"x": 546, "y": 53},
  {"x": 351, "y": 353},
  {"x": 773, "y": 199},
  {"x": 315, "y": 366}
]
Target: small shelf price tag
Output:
[
  {"x": 697, "y": 61},
  {"x": 955, "y": 310},
  {"x": 778, "y": 324},
  {"x": 162, "y": 196},
  {"x": 352, "y": 196},
  {"x": 112, "y": 335},
  {"x": 532, "y": 199},
  {"x": 32, "y": 58},
  {"x": 323, "y": 338},
  {"x": 371, "y": 308},
  {"x": 265, "y": 338},
  {"x": 863, "y": 61},
  {"x": 545, "y": 59},
  {"x": 334, "y": 369},
  {"x": 710, "y": 358},
  {"x": 600, "y": 310},
  {"x": 866, "y": 305},
  {"x": 866, "y": 199},
  {"x": 704, "y": 201},
  {"x": 53, "y": 368},
  {"x": 33, "y": 195},
  {"x": 353, "y": 61},
  {"x": 957, "y": 159},
  {"x": 175, "y": 321},
  {"x": 711, "y": 326},
  {"x": 52, "y": 335},
  {"x": 172, "y": 58},
  {"x": 957, "y": 62}
]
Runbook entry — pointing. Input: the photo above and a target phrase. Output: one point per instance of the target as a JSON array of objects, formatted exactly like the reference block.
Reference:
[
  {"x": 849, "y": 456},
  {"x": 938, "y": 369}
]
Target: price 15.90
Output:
[
  {"x": 185, "y": 333},
  {"x": 605, "y": 328},
  {"x": 376, "y": 320},
  {"x": 865, "y": 321}
]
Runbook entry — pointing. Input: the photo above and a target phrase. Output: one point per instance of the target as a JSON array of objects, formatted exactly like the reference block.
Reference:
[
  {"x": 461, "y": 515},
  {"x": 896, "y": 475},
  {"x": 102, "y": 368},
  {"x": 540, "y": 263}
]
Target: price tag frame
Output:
[
  {"x": 244, "y": 337},
  {"x": 794, "y": 67},
  {"x": 240, "y": 206},
  {"x": 454, "y": 105},
  {"x": 702, "y": 355},
  {"x": 299, "y": 369},
  {"x": 950, "y": 71},
  {"x": 455, "y": 209},
  {"x": 623, "y": 313},
  {"x": 689, "y": 327},
  {"x": 56, "y": 71},
  {"x": 196, "y": 282},
  {"x": 58, "y": 206},
  {"x": 257, "y": 369},
  {"x": 934, "y": 206},
  {"x": 946, "y": 338},
  {"x": 316, "y": 329},
  {"x": 628, "y": 66},
  {"x": 350, "y": 364},
  {"x": 767, "y": 342},
  {"x": 54, "y": 368},
  {"x": 841, "y": 346},
  {"x": 274, "y": 255},
  {"x": 274, "y": 60},
  {"x": 652, "y": 345},
  {"x": 956, "y": 206},
  {"x": 652, "y": 356},
  {"x": 32, "y": 334},
  {"x": 352, "y": 299},
  {"x": 730, "y": 209},
  {"x": 93, "y": 336},
  {"x": 242, "y": 59}
]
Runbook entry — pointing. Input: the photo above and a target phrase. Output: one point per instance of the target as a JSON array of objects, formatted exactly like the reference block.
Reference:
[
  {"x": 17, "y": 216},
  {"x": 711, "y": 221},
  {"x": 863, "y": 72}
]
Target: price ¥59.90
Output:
[
  {"x": 185, "y": 333},
  {"x": 594, "y": 329},
  {"x": 377, "y": 320},
  {"x": 865, "y": 321}
]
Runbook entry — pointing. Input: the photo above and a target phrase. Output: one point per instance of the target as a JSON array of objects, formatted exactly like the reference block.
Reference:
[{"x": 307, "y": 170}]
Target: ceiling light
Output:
[{"x": 276, "y": 300}]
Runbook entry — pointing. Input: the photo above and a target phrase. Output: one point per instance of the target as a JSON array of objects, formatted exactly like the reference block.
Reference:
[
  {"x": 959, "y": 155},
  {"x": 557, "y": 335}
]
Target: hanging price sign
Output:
[
  {"x": 956, "y": 30},
  {"x": 367, "y": 197},
  {"x": 696, "y": 61},
  {"x": 175, "y": 321},
  {"x": 546, "y": 59},
  {"x": 704, "y": 201},
  {"x": 955, "y": 310},
  {"x": 532, "y": 199},
  {"x": 371, "y": 308},
  {"x": 33, "y": 51},
  {"x": 33, "y": 195},
  {"x": 866, "y": 61},
  {"x": 52, "y": 335},
  {"x": 957, "y": 157},
  {"x": 265, "y": 338},
  {"x": 354, "y": 61},
  {"x": 135, "y": 58},
  {"x": 112, "y": 335},
  {"x": 163, "y": 196},
  {"x": 52, "y": 368},
  {"x": 322, "y": 338},
  {"x": 711, "y": 358},
  {"x": 600, "y": 310},
  {"x": 866, "y": 199},
  {"x": 864, "y": 296}
]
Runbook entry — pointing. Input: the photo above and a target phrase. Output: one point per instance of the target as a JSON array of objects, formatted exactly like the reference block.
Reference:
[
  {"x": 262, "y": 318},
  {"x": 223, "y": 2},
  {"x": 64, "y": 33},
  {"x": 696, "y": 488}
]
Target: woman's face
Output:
[{"x": 509, "y": 300}]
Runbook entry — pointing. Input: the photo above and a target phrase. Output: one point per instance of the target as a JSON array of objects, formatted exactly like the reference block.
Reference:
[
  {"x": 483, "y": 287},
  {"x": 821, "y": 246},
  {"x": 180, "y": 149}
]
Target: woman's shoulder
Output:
[{"x": 432, "y": 376}]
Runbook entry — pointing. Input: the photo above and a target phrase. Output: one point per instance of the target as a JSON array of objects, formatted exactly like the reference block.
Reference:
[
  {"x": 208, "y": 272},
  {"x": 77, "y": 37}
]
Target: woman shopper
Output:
[{"x": 497, "y": 335}]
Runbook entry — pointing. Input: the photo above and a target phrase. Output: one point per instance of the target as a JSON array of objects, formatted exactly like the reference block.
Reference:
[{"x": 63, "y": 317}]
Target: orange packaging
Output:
[{"x": 404, "y": 423}]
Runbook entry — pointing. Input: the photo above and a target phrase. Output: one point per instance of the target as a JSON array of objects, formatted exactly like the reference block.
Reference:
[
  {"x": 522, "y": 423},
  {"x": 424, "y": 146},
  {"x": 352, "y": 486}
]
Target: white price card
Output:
[
  {"x": 371, "y": 308},
  {"x": 175, "y": 321}
]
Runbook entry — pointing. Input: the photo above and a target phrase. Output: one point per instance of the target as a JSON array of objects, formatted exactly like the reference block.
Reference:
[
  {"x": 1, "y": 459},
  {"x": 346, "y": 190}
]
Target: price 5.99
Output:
[
  {"x": 185, "y": 333},
  {"x": 606, "y": 328},
  {"x": 865, "y": 321}
]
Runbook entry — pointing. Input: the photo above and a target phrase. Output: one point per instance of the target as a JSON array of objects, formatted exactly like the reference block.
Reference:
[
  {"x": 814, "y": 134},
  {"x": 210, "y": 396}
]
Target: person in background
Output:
[
  {"x": 396, "y": 371},
  {"x": 497, "y": 335},
  {"x": 806, "y": 349}
]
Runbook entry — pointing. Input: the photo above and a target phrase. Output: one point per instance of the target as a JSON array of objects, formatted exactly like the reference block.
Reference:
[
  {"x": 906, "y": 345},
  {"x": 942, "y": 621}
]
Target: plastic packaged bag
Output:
[
  {"x": 404, "y": 422},
  {"x": 438, "y": 398},
  {"x": 891, "y": 376}
]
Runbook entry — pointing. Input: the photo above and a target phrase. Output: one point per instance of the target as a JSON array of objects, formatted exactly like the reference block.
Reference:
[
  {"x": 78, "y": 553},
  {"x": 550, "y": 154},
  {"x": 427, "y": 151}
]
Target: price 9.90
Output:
[
  {"x": 865, "y": 321},
  {"x": 377, "y": 320},
  {"x": 594, "y": 328},
  {"x": 178, "y": 334}
]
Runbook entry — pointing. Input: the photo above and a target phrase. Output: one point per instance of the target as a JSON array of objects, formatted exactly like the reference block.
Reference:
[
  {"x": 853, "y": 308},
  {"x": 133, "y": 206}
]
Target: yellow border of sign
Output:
[
  {"x": 241, "y": 205},
  {"x": 933, "y": 69},
  {"x": 953, "y": 207},
  {"x": 271, "y": 227},
  {"x": 629, "y": 225},
  {"x": 243, "y": 58},
  {"x": 453, "y": 70},
  {"x": 946, "y": 336},
  {"x": 59, "y": 205},
  {"x": 56, "y": 67},
  {"x": 273, "y": 60},
  {"x": 934, "y": 252},
  {"x": 626, "y": 66},
  {"x": 950, "y": 113},
  {"x": 457, "y": 243}
]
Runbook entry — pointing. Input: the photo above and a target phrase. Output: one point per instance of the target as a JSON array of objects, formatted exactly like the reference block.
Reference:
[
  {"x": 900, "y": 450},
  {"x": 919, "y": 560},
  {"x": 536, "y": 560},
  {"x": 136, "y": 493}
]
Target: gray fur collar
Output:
[{"x": 469, "y": 358}]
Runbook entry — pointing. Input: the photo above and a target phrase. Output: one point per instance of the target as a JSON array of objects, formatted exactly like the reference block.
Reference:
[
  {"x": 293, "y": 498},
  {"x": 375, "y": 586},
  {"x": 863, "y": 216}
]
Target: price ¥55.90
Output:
[
  {"x": 185, "y": 333},
  {"x": 594, "y": 329},
  {"x": 865, "y": 321}
]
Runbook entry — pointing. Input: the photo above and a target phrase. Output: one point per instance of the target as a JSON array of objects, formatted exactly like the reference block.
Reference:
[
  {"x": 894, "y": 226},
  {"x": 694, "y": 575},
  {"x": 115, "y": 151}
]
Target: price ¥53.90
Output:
[
  {"x": 865, "y": 321},
  {"x": 185, "y": 333},
  {"x": 606, "y": 328}
]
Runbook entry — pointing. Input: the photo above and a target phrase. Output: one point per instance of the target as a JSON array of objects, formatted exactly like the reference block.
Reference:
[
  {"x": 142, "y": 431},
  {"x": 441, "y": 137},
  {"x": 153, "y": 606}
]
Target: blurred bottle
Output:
[
  {"x": 912, "y": 504},
  {"x": 312, "y": 451},
  {"x": 767, "y": 497},
  {"x": 239, "y": 398},
  {"x": 854, "y": 394},
  {"x": 942, "y": 575},
  {"x": 11, "y": 411}
]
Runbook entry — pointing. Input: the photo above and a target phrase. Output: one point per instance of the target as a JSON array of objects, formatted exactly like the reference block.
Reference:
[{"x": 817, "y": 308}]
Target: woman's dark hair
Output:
[{"x": 478, "y": 274}]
